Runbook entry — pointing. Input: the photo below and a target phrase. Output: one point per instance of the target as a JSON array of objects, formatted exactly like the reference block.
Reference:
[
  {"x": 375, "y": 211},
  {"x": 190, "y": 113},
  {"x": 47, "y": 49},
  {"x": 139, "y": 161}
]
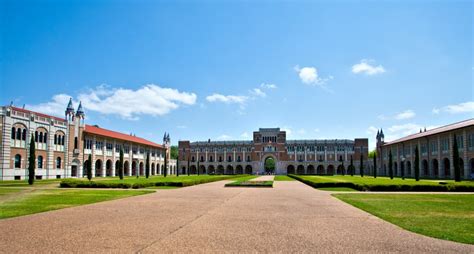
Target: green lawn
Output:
[
  {"x": 384, "y": 183},
  {"x": 5, "y": 191},
  {"x": 24, "y": 183},
  {"x": 42, "y": 200},
  {"x": 444, "y": 216},
  {"x": 142, "y": 182},
  {"x": 283, "y": 178},
  {"x": 336, "y": 189}
]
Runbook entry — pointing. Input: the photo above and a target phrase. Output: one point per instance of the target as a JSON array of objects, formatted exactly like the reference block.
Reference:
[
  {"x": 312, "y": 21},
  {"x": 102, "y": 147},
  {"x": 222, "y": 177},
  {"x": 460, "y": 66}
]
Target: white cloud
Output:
[
  {"x": 288, "y": 131},
  {"x": 239, "y": 99},
  {"x": 268, "y": 86},
  {"x": 372, "y": 131},
  {"x": 316, "y": 130},
  {"x": 127, "y": 103},
  {"x": 224, "y": 137},
  {"x": 258, "y": 92},
  {"x": 367, "y": 67},
  {"x": 301, "y": 131},
  {"x": 245, "y": 135},
  {"x": 407, "y": 114},
  {"x": 465, "y": 107},
  {"x": 310, "y": 76}
]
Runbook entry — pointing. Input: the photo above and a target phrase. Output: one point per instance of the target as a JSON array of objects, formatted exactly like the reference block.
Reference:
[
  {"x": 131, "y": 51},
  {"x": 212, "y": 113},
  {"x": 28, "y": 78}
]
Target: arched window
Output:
[
  {"x": 211, "y": 159},
  {"x": 192, "y": 159},
  {"x": 58, "y": 162},
  {"x": 55, "y": 139},
  {"x": 229, "y": 159},
  {"x": 18, "y": 134},
  {"x": 17, "y": 161},
  {"x": 75, "y": 143},
  {"x": 44, "y": 137},
  {"x": 40, "y": 137},
  {"x": 36, "y": 136},
  {"x": 62, "y": 141},
  {"x": 24, "y": 134},
  {"x": 248, "y": 158},
  {"x": 13, "y": 132},
  {"x": 40, "y": 161},
  {"x": 238, "y": 158},
  {"x": 202, "y": 158}
]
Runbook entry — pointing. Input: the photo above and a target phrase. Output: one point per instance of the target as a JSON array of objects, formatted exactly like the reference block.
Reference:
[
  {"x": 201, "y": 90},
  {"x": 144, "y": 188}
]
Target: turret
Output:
[
  {"x": 69, "y": 111},
  {"x": 80, "y": 112}
]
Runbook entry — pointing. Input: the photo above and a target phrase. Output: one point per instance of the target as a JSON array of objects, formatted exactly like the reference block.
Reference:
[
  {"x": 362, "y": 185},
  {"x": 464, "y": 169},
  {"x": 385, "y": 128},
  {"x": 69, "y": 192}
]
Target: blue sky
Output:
[{"x": 220, "y": 70}]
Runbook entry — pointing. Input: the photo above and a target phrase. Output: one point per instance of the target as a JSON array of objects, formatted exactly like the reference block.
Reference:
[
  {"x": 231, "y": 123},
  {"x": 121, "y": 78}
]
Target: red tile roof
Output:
[
  {"x": 117, "y": 135},
  {"x": 38, "y": 114},
  {"x": 449, "y": 127}
]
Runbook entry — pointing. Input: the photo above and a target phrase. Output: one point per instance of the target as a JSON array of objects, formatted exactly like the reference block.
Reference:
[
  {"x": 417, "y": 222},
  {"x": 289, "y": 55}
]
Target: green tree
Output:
[
  {"x": 457, "y": 168},
  {"x": 147, "y": 165},
  {"x": 31, "y": 161},
  {"x": 174, "y": 153},
  {"x": 89, "y": 167},
  {"x": 177, "y": 167},
  {"x": 120, "y": 169},
  {"x": 390, "y": 164},
  {"x": 372, "y": 154},
  {"x": 351, "y": 167},
  {"x": 375, "y": 165},
  {"x": 361, "y": 165},
  {"x": 417, "y": 164},
  {"x": 188, "y": 166}
]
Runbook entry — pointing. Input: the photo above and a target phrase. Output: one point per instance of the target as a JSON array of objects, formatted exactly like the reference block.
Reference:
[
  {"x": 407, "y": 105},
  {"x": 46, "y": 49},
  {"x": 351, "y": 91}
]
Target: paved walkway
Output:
[
  {"x": 209, "y": 218},
  {"x": 263, "y": 178}
]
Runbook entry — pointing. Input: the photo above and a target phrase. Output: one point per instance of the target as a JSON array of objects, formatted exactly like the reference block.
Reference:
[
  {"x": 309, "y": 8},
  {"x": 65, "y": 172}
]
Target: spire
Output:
[
  {"x": 80, "y": 111},
  {"x": 381, "y": 133},
  {"x": 378, "y": 134},
  {"x": 70, "y": 108}
]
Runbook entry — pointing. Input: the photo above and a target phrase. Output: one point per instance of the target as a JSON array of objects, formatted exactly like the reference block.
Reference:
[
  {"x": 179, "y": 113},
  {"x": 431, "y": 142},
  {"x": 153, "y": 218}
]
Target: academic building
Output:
[
  {"x": 270, "y": 144},
  {"x": 435, "y": 150},
  {"x": 63, "y": 145}
]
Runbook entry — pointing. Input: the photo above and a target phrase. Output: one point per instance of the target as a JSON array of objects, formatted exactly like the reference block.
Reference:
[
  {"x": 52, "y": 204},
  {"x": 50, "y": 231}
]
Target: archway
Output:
[
  {"x": 108, "y": 168},
  {"x": 239, "y": 170},
  {"x": 192, "y": 170},
  {"x": 269, "y": 165},
  {"x": 341, "y": 170},
  {"x": 248, "y": 169},
  {"x": 408, "y": 168},
  {"x": 211, "y": 170},
  {"x": 126, "y": 168},
  {"x": 229, "y": 170},
  {"x": 117, "y": 163},
  {"x": 424, "y": 167},
  {"x": 446, "y": 167},
  {"x": 330, "y": 170},
  {"x": 141, "y": 169},
  {"x": 461, "y": 167},
  {"x": 153, "y": 169},
  {"x": 220, "y": 170},
  {"x": 98, "y": 167},
  {"x": 134, "y": 168},
  {"x": 202, "y": 169},
  {"x": 300, "y": 170},
  {"x": 74, "y": 167},
  {"x": 435, "y": 166},
  {"x": 290, "y": 169},
  {"x": 310, "y": 170},
  {"x": 320, "y": 170}
]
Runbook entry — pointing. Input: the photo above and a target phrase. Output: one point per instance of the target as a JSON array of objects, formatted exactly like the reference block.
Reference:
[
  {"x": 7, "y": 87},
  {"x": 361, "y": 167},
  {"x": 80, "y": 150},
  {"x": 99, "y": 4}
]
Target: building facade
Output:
[
  {"x": 290, "y": 156},
  {"x": 435, "y": 150},
  {"x": 64, "y": 145}
]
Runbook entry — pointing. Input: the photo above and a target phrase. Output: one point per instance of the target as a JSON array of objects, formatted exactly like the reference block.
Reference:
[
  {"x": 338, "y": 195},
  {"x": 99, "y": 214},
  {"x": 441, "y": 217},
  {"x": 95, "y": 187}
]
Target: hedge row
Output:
[
  {"x": 264, "y": 184},
  {"x": 389, "y": 187},
  {"x": 74, "y": 183}
]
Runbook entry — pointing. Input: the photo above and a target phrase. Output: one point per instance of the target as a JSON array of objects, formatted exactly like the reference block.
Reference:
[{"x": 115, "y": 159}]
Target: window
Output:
[
  {"x": 75, "y": 143},
  {"x": 229, "y": 159},
  {"x": 58, "y": 162},
  {"x": 460, "y": 142},
  {"x": 55, "y": 139},
  {"x": 445, "y": 145},
  {"x": 40, "y": 161},
  {"x": 17, "y": 161},
  {"x": 211, "y": 159},
  {"x": 109, "y": 146},
  {"x": 40, "y": 137},
  {"x": 202, "y": 158},
  {"x": 36, "y": 136},
  {"x": 248, "y": 158},
  {"x": 126, "y": 149},
  {"x": 238, "y": 158},
  {"x": 192, "y": 158},
  {"x": 18, "y": 134},
  {"x": 99, "y": 145},
  {"x": 13, "y": 133},
  {"x": 220, "y": 158},
  {"x": 470, "y": 141},
  {"x": 24, "y": 135},
  {"x": 88, "y": 144},
  {"x": 434, "y": 147}
]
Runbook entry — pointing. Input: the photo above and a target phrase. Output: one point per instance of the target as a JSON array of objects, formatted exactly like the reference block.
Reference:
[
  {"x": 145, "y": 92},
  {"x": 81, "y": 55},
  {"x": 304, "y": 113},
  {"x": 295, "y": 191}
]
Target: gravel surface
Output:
[{"x": 208, "y": 218}]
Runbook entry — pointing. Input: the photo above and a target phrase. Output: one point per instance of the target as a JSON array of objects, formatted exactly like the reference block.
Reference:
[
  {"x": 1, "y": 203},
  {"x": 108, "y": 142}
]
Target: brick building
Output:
[
  {"x": 435, "y": 148},
  {"x": 290, "y": 156},
  {"x": 64, "y": 145}
]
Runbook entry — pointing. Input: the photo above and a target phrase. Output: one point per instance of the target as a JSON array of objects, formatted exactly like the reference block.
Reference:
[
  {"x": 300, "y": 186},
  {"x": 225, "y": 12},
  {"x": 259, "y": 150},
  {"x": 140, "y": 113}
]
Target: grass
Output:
[
  {"x": 384, "y": 183},
  {"x": 444, "y": 216},
  {"x": 6, "y": 191},
  {"x": 24, "y": 183},
  {"x": 142, "y": 182},
  {"x": 336, "y": 189},
  {"x": 283, "y": 178},
  {"x": 42, "y": 200}
]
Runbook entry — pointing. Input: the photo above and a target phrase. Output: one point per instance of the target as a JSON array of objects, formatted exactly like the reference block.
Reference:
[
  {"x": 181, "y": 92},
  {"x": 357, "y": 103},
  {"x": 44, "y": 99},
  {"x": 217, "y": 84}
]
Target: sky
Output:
[{"x": 220, "y": 70}]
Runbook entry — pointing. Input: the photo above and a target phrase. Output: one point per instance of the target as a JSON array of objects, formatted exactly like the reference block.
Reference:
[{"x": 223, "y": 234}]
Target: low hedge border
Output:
[
  {"x": 74, "y": 183},
  {"x": 258, "y": 184},
  {"x": 391, "y": 187}
]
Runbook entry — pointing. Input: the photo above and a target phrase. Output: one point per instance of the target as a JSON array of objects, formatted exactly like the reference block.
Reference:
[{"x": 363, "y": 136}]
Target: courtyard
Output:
[{"x": 290, "y": 217}]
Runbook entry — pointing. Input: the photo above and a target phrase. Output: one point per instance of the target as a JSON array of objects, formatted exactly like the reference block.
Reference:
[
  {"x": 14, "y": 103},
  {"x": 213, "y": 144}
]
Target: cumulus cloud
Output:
[
  {"x": 395, "y": 132},
  {"x": 224, "y": 137},
  {"x": 127, "y": 103},
  {"x": 245, "y": 135},
  {"x": 55, "y": 107},
  {"x": 268, "y": 86},
  {"x": 310, "y": 76},
  {"x": 258, "y": 92},
  {"x": 407, "y": 114},
  {"x": 465, "y": 107},
  {"x": 367, "y": 67},
  {"x": 239, "y": 99}
]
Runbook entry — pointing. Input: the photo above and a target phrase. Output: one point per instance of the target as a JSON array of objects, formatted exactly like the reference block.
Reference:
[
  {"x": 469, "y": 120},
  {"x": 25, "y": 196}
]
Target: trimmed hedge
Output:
[
  {"x": 390, "y": 187},
  {"x": 259, "y": 184},
  {"x": 75, "y": 183}
]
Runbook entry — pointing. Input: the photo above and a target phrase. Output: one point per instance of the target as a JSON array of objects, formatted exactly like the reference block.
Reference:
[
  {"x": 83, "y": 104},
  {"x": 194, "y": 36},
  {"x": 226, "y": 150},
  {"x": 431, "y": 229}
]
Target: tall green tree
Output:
[
  {"x": 147, "y": 165},
  {"x": 120, "y": 169},
  {"x": 32, "y": 161},
  {"x": 177, "y": 167},
  {"x": 89, "y": 167},
  {"x": 375, "y": 165},
  {"x": 361, "y": 165},
  {"x": 390, "y": 164},
  {"x": 351, "y": 167},
  {"x": 188, "y": 166},
  {"x": 457, "y": 168},
  {"x": 174, "y": 152},
  {"x": 417, "y": 164}
]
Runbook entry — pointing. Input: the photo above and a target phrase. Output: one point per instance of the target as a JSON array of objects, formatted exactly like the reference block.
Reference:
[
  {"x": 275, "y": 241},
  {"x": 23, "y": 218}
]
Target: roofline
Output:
[
  {"x": 37, "y": 113},
  {"x": 153, "y": 143}
]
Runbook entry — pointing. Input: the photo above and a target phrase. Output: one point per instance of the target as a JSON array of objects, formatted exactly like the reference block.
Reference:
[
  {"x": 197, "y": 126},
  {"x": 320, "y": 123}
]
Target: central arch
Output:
[{"x": 269, "y": 165}]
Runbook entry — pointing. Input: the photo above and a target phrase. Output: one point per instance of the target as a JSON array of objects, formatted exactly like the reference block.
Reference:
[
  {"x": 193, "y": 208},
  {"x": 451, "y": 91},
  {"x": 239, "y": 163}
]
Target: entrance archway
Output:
[
  {"x": 239, "y": 170},
  {"x": 248, "y": 169},
  {"x": 269, "y": 165},
  {"x": 290, "y": 169}
]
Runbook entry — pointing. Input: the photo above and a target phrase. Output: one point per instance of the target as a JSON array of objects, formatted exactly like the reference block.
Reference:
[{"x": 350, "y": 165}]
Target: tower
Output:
[
  {"x": 80, "y": 115},
  {"x": 69, "y": 111}
]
